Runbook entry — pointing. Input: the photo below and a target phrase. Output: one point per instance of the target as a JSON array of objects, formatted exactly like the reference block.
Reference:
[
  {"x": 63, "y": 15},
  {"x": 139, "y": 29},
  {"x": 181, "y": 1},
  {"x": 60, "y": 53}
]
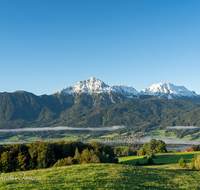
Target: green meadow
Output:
[
  {"x": 110, "y": 176},
  {"x": 165, "y": 158},
  {"x": 104, "y": 176}
]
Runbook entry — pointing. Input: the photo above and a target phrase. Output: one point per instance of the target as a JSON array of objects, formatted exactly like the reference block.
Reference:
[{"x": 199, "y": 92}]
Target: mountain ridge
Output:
[
  {"x": 160, "y": 90},
  {"x": 96, "y": 86},
  {"x": 92, "y": 103}
]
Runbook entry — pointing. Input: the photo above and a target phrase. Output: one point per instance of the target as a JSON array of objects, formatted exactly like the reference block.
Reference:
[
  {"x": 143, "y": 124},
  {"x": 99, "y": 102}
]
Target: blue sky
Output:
[{"x": 48, "y": 45}]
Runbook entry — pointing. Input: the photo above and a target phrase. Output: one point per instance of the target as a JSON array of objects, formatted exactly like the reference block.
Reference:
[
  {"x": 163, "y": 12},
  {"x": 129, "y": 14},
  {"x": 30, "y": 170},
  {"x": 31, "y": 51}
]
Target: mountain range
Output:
[
  {"x": 160, "y": 90},
  {"x": 92, "y": 103}
]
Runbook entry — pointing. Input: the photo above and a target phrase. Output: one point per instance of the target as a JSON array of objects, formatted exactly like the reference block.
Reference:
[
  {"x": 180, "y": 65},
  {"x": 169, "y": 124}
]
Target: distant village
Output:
[{"x": 136, "y": 137}]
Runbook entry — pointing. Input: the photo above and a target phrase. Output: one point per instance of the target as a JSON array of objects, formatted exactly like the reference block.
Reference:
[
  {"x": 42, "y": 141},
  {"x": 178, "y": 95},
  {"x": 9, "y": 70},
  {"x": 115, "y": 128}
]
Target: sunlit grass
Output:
[
  {"x": 106, "y": 176},
  {"x": 165, "y": 158}
]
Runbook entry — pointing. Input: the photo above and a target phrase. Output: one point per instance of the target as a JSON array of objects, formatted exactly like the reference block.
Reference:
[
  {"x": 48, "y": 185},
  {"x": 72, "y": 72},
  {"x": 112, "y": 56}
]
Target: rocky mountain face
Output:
[
  {"x": 94, "y": 85},
  {"x": 96, "y": 93},
  {"x": 118, "y": 93},
  {"x": 92, "y": 103},
  {"x": 170, "y": 91}
]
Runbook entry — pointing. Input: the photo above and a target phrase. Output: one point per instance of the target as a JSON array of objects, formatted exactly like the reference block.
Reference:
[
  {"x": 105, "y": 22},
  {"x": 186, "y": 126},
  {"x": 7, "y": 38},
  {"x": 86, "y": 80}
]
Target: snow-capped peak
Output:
[
  {"x": 91, "y": 85},
  {"x": 94, "y": 85},
  {"x": 160, "y": 90},
  {"x": 167, "y": 89}
]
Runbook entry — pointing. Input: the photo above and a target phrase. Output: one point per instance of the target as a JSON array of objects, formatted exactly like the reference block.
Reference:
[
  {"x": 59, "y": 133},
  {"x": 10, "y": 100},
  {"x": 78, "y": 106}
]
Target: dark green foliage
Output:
[
  {"x": 195, "y": 147},
  {"x": 40, "y": 154},
  {"x": 89, "y": 157},
  {"x": 182, "y": 163},
  {"x": 141, "y": 152},
  {"x": 161, "y": 146},
  {"x": 152, "y": 147},
  {"x": 150, "y": 161},
  {"x": 15, "y": 157},
  {"x": 124, "y": 151},
  {"x": 7, "y": 164}
]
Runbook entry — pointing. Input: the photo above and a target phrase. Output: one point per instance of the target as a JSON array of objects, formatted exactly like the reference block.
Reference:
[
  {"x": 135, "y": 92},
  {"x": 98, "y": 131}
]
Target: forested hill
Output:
[{"x": 23, "y": 109}]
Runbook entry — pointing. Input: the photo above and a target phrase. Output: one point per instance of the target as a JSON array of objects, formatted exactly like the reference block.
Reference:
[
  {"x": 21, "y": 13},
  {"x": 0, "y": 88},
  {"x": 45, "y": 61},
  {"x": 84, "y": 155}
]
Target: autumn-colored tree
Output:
[{"x": 7, "y": 161}]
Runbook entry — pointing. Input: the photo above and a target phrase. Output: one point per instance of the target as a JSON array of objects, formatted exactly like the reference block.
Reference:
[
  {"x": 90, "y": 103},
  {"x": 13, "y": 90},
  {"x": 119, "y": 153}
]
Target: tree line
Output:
[
  {"x": 21, "y": 157},
  {"x": 195, "y": 147}
]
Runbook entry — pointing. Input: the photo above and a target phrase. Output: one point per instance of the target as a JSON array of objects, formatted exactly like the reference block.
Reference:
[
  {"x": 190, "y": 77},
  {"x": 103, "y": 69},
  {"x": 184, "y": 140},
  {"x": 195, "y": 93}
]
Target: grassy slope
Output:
[
  {"x": 112, "y": 176},
  {"x": 167, "y": 158},
  {"x": 105, "y": 176}
]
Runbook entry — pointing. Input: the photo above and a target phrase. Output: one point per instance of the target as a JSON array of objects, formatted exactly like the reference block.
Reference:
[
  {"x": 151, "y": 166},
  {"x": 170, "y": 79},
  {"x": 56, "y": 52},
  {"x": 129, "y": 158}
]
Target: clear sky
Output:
[{"x": 47, "y": 45}]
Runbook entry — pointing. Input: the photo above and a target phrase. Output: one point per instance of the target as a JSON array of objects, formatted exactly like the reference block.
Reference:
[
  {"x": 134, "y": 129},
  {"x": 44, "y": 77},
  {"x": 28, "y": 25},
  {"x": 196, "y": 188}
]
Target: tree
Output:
[
  {"x": 64, "y": 162},
  {"x": 151, "y": 148},
  {"x": 22, "y": 161},
  {"x": 104, "y": 158},
  {"x": 141, "y": 152},
  {"x": 85, "y": 156},
  {"x": 126, "y": 152},
  {"x": 7, "y": 161},
  {"x": 195, "y": 164},
  {"x": 42, "y": 155},
  {"x": 182, "y": 163},
  {"x": 77, "y": 156},
  {"x": 161, "y": 146},
  {"x": 93, "y": 157}
]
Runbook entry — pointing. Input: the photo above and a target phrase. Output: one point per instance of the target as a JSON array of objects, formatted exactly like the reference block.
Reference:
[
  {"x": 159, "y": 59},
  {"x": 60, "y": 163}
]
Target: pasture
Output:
[
  {"x": 104, "y": 176},
  {"x": 165, "y": 158},
  {"x": 109, "y": 176}
]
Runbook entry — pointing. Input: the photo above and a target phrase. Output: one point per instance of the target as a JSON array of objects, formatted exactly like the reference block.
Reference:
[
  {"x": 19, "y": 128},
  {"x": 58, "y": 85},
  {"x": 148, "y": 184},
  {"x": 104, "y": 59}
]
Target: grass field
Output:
[
  {"x": 166, "y": 158},
  {"x": 110, "y": 176},
  {"x": 104, "y": 176}
]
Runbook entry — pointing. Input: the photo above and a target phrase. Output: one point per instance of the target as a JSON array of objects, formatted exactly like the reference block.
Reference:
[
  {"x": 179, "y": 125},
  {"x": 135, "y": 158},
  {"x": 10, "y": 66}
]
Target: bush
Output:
[
  {"x": 150, "y": 161},
  {"x": 116, "y": 161},
  {"x": 195, "y": 164},
  {"x": 176, "y": 151},
  {"x": 182, "y": 163}
]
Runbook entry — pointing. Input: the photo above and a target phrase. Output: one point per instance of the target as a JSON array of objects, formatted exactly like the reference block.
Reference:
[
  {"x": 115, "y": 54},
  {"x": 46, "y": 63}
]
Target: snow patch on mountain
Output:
[
  {"x": 169, "y": 90},
  {"x": 94, "y": 85},
  {"x": 160, "y": 90},
  {"x": 127, "y": 91}
]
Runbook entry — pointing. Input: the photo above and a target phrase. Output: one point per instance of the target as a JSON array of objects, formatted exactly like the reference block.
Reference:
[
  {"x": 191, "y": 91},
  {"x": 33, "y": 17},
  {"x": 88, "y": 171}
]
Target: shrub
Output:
[
  {"x": 195, "y": 164},
  {"x": 150, "y": 161},
  {"x": 182, "y": 163},
  {"x": 192, "y": 162},
  {"x": 176, "y": 151}
]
